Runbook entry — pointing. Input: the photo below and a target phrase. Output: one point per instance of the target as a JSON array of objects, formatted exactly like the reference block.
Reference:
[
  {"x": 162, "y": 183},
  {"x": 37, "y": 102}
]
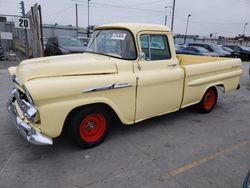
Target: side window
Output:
[
  {"x": 236, "y": 48},
  {"x": 207, "y": 47},
  {"x": 194, "y": 49},
  {"x": 144, "y": 40},
  {"x": 155, "y": 47}
]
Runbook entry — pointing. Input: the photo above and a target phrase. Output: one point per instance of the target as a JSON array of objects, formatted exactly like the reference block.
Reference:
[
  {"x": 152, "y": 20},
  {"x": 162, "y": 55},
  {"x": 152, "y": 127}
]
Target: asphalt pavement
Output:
[{"x": 184, "y": 149}]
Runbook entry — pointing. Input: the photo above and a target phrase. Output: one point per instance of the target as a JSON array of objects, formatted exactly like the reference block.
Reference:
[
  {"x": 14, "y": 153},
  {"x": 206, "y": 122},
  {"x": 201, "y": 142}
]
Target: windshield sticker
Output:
[{"x": 118, "y": 36}]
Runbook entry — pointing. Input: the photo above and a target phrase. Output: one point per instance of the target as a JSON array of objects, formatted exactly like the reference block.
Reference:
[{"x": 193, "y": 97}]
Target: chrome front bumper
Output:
[{"x": 30, "y": 134}]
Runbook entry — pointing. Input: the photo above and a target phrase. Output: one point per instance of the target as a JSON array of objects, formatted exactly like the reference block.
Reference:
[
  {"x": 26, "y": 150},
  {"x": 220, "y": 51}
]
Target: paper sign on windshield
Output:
[{"x": 118, "y": 36}]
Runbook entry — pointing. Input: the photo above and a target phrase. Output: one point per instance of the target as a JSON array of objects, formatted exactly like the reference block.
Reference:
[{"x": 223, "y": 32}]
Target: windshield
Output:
[
  {"x": 221, "y": 48},
  {"x": 115, "y": 43},
  {"x": 216, "y": 48},
  {"x": 227, "y": 49},
  {"x": 69, "y": 42},
  {"x": 203, "y": 50},
  {"x": 245, "y": 48}
]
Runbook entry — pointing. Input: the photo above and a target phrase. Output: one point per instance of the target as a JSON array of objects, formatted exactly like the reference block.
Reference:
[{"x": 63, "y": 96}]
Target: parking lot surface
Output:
[{"x": 179, "y": 150}]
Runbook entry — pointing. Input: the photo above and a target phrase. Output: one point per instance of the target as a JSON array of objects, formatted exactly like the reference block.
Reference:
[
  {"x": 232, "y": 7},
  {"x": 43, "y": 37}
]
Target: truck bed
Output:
[
  {"x": 194, "y": 59},
  {"x": 202, "y": 72}
]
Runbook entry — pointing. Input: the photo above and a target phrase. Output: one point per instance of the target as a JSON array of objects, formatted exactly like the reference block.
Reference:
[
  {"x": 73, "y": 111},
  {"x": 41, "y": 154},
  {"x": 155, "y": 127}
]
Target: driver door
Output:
[{"x": 159, "y": 77}]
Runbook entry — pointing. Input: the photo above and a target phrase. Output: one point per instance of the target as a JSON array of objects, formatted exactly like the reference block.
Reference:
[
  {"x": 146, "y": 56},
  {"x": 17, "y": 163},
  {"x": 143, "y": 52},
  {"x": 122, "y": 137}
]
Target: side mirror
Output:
[{"x": 142, "y": 56}]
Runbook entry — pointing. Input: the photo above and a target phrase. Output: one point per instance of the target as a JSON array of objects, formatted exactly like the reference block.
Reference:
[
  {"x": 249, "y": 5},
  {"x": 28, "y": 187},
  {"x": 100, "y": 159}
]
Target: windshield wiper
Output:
[{"x": 98, "y": 33}]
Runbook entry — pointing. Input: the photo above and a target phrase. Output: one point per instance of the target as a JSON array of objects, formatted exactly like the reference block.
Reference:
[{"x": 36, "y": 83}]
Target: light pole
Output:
[
  {"x": 173, "y": 9},
  {"x": 76, "y": 19},
  {"x": 185, "y": 37},
  {"x": 244, "y": 28},
  {"x": 166, "y": 17},
  {"x": 88, "y": 19}
]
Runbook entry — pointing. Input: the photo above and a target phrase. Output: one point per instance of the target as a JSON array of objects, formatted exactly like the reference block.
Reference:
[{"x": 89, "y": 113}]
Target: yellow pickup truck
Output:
[{"x": 129, "y": 71}]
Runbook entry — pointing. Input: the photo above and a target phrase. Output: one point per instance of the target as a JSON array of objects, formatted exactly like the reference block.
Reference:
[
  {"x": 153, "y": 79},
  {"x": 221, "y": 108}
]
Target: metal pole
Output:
[
  {"x": 25, "y": 31},
  {"x": 172, "y": 24},
  {"x": 244, "y": 28},
  {"x": 41, "y": 29},
  {"x": 88, "y": 19},
  {"x": 76, "y": 20},
  {"x": 185, "y": 37},
  {"x": 166, "y": 19}
]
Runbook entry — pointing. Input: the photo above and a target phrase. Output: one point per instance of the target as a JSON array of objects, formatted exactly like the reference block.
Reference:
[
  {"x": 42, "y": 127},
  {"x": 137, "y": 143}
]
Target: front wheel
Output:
[
  {"x": 89, "y": 127},
  {"x": 208, "y": 101}
]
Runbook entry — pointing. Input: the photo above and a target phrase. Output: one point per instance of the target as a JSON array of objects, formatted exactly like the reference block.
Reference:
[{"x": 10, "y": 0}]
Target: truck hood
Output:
[{"x": 65, "y": 65}]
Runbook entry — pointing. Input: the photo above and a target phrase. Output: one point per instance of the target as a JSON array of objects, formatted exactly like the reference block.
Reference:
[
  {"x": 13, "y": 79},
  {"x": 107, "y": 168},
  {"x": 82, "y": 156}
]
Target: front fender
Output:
[
  {"x": 53, "y": 116},
  {"x": 56, "y": 97}
]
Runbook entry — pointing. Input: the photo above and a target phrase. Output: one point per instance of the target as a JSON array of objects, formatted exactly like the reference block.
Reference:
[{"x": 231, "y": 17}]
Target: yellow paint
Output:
[
  {"x": 57, "y": 83},
  {"x": 206, "y": 159}
]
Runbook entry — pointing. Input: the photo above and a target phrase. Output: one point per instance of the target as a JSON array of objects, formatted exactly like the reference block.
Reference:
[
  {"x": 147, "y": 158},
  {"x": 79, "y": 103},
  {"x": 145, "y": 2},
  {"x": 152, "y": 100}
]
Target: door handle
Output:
[{"x": 172, "y": 65}]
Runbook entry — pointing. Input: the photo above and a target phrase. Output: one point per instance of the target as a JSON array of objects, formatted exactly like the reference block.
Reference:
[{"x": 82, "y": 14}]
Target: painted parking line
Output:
[{"x": 206, "y": 159}]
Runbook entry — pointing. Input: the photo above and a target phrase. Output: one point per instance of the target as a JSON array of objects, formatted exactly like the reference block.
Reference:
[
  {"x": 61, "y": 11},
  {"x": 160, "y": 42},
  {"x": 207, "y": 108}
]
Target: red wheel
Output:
[
  {"x": 92, "y": 127},
  {"x": 89, "y": 127},
  {"x": 208, "y": 101}
]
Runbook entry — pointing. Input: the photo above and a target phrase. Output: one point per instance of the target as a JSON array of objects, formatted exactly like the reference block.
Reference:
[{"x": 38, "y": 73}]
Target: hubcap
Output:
[
  {"x": 92, "y": 127},
  {"x": 209, "y": 100},
  {"x": 89, "y": 126}
]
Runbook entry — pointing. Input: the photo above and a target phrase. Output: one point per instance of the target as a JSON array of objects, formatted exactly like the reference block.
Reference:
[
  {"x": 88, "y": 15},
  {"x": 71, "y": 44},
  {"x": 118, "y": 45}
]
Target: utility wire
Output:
[
  {"x": 216, "y": 23},
  {"x": 119, "y": 6},
  {"x": 59, "y": 11},
  {"x": 244, "y": 1},
  {"x": 211, "y": 23},
  {"x": 145, "y": 3}
]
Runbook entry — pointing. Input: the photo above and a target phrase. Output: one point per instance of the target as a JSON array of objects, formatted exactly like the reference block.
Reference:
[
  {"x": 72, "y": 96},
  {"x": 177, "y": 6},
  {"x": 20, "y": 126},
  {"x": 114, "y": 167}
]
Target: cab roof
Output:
[{"x": 135, "y": 27}]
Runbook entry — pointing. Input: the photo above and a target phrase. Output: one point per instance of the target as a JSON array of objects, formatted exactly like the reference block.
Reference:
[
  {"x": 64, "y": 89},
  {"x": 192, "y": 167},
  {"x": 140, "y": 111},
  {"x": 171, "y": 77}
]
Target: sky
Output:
[{"x": 220, "y": 17}]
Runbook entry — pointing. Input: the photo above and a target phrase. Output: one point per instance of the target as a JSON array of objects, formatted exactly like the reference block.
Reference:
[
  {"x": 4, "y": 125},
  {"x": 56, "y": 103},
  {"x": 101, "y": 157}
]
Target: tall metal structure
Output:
[
  {"x": 76, "y": 19},
  {"x": 88, "y": 20},
  {"x": 185, "y": 37},
  {"x": 244, "y": 28},
  {"x": 166, "y": 17},
  {"x": 173, "y": 10}
]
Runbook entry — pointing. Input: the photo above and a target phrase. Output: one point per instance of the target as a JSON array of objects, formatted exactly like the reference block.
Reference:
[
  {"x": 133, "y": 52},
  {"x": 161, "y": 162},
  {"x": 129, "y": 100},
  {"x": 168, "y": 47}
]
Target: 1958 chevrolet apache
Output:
[{"x": 129, "y": 71}]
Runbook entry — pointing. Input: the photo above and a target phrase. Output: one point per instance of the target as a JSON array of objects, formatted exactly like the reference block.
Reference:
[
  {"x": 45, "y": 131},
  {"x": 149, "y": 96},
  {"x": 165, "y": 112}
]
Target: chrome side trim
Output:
[{"x": 112, "y": 86}]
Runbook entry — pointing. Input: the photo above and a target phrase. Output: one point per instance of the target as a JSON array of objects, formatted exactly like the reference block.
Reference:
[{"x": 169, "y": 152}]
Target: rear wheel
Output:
[
  {"x": 208, "y": 101},
  {"x": 89, "y": 127}
]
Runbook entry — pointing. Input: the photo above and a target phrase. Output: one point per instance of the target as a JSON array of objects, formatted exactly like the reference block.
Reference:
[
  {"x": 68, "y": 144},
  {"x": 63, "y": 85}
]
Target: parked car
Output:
[
  {"x": 116, "y": 78},
  {"x": 233, "y": 53},
  {"x": 85, "y": 40},
  {"x": 63, "y": 45},
  {"x": 246, "y": 48},
  {"x": 184, "y": 51},
  {"x": 178, "y": 46},
  {"x": 200, "y": 51},
  {"x": 246, "y": 183},
  {"x": 212, "y": 48},
  {"x": 244, "y": 52},
  {"x": 1, "y": 52}
]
